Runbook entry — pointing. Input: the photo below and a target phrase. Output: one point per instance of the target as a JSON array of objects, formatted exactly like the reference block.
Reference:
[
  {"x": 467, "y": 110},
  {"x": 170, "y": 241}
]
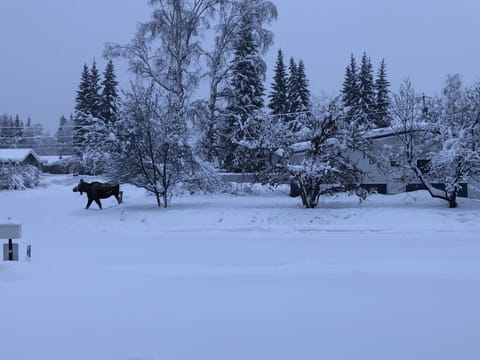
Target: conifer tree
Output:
[
  {"x": 366, "y": 91},
  {"x": 109, "y": 95},
  {"x": 350, "y": 90},
  {"x": 94, "y": 93},
  {"x": 248, "y": 71},
  {"x": 82, "y": 110},
  {"x": 278, "y": 95},
  {"x": 18, "y": 129},
  {"x": 302, "y": 87},
  {"x": 246, "y": 99},
  {"x": 7, "y": 131},
  {"x": 82, "y": 105},
  {"x": 95, "y": 146},
  {"x": 293, "y": 97},
  {"x": 89, "y": 128},
  {"x": 382, "y": 97},
  {"x": 298, "y": 95}
]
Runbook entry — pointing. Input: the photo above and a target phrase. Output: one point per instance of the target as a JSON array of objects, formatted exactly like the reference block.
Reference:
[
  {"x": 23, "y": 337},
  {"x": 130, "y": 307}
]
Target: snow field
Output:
[{"x": 240, "y": 277}]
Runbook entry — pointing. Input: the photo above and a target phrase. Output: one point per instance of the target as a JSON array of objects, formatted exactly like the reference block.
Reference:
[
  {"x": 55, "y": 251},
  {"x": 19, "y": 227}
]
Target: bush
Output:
[{"x": 18, "y": 177}]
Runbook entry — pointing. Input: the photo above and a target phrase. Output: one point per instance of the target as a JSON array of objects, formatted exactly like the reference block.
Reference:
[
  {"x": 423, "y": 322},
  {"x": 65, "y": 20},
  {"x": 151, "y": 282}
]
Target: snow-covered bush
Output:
[
  {"x": 437, "y": 145},
  {"x": 326, "y": 167},
  {"x": 18, "y": 177}
]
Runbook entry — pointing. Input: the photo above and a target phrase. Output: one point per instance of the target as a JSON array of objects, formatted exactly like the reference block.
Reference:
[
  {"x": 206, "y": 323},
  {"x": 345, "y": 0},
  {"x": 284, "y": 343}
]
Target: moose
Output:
[{"x": 97, "y": 190}]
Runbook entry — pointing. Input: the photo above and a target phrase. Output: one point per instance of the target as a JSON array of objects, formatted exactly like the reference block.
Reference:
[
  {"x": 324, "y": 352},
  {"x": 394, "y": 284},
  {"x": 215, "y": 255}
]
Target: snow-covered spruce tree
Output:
[
  {"x": 350, "y": 90},
  {"x": 366, "y": 99},
  {"x": 90, "y": 131},
  {"x": 278, "y": 94},
  {"x": 152, "y": 149},
  {"x": 97, "y": 146},
  {"x": 303, "y": 88},
  {"x": 294, "y": 102},
  {"x": 18, "y": 130},
  {"x": 109, "y": 95},
  {"x": 7, "y": 131},
  {"x": 298, "y": 96},
  {"x": 99, "y": 126},
  {"x": 240, "y": 127},
  {"x": 226, "y": 25},
  {"x": 381, "y": 114},
  {"x": 82, "y": 111},
  {"x": 94, "y": 96}
]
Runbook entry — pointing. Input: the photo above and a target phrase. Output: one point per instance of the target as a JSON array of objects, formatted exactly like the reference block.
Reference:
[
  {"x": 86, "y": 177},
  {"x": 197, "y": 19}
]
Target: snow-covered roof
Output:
[
  {"x": 302, "y": 146},
  {"x": 50, "y": 159},
  {"x": 395, "y": 130},
  {"x": 379, "y": 133},
  {"x": 17, "y": 155}
]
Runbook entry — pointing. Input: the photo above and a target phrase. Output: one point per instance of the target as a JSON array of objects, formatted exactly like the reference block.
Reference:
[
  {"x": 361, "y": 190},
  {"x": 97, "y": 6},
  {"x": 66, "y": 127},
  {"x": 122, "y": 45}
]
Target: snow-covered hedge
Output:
[{"x": 18, "y": 177}]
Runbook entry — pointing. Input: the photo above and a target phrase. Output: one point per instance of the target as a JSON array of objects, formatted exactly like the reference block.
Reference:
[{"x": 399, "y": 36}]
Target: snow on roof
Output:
[
  {"x": 399, "y": 129},
  {"x": 301, "y": 146},
  {"x": 49, "y": 159},
  {"x": 17, "y": 155}
]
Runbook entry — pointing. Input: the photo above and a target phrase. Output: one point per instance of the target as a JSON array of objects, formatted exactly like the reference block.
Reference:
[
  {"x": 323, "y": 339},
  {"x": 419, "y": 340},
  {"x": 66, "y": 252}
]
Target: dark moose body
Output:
[{"x": 97, "y": 190}]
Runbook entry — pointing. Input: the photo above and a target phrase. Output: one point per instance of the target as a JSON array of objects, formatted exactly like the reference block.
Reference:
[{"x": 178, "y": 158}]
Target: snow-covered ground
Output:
[{"x": 239, "y": 277}]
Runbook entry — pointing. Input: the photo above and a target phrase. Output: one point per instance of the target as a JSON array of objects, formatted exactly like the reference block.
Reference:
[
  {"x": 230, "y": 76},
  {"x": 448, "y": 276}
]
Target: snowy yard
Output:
[{"x": 252, "y": 277}]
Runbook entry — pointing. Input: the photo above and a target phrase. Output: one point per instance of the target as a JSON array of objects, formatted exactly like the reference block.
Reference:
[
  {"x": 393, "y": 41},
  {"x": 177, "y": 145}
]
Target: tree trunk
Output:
[
  {"x": 309, "y": 191},
  {"x": 452, "y": 200},
  {"x": 165, "y": 198},
  {"x": 157, "y": 196}
]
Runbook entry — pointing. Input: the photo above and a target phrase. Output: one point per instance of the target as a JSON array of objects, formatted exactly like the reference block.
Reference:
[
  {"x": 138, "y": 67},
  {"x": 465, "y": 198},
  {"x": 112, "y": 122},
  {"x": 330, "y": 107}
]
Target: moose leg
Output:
[
  {"x": 98, "y": 203},
  {"x": 89, "y": 203},
  {"x": 119, "y": 197}
]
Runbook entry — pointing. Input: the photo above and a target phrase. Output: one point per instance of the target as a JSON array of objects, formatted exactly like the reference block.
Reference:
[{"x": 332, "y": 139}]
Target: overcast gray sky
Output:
[{"x": 44, "y": 44}]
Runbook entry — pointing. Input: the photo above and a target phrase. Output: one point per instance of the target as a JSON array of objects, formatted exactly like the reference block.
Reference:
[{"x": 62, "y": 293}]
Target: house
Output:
[
  {"x": 383, "y": 180},
  {"x": 58, "y": 164},
  {"x": 20, "y": 157}
]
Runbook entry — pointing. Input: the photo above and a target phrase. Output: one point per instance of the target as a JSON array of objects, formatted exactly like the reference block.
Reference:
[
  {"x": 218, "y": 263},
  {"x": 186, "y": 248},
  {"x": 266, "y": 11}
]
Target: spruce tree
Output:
[
  {"x": 382, "y": 97},
  {"x": 293, "y": 97},
  {"x": 19, "y": 129},
  {"x": 109, "y": 95},
  {"x": 248, "y": 71},
  {"x": 298, "y": 95},
  {"x": 82, "y": 105},
  {"x": 246, "y": 99},
  {"x": 94, "y": 93},
  {"x": 302, "y": 87},
  {"x": 7, "y": 128},
  {"x": 350, "y": 90},
  {"x": 366, "y": 91},
  {"x": 278, "y": 94},
  {"x": 82, "y": 111}
]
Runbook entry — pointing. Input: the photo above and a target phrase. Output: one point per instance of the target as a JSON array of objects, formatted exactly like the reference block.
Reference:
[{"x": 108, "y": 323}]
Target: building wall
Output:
[
  {"x": 382, "y": 177},
  {"x": 31, "y": 160}
]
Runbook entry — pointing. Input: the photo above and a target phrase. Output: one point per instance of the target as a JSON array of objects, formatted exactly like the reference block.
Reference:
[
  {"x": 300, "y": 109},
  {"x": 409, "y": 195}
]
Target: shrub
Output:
[{"x": 18, "y": 177}]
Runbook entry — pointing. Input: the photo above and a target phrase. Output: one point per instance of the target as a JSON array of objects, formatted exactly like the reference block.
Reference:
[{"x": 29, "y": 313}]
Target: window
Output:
[{"x": 424, "y": 165}]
